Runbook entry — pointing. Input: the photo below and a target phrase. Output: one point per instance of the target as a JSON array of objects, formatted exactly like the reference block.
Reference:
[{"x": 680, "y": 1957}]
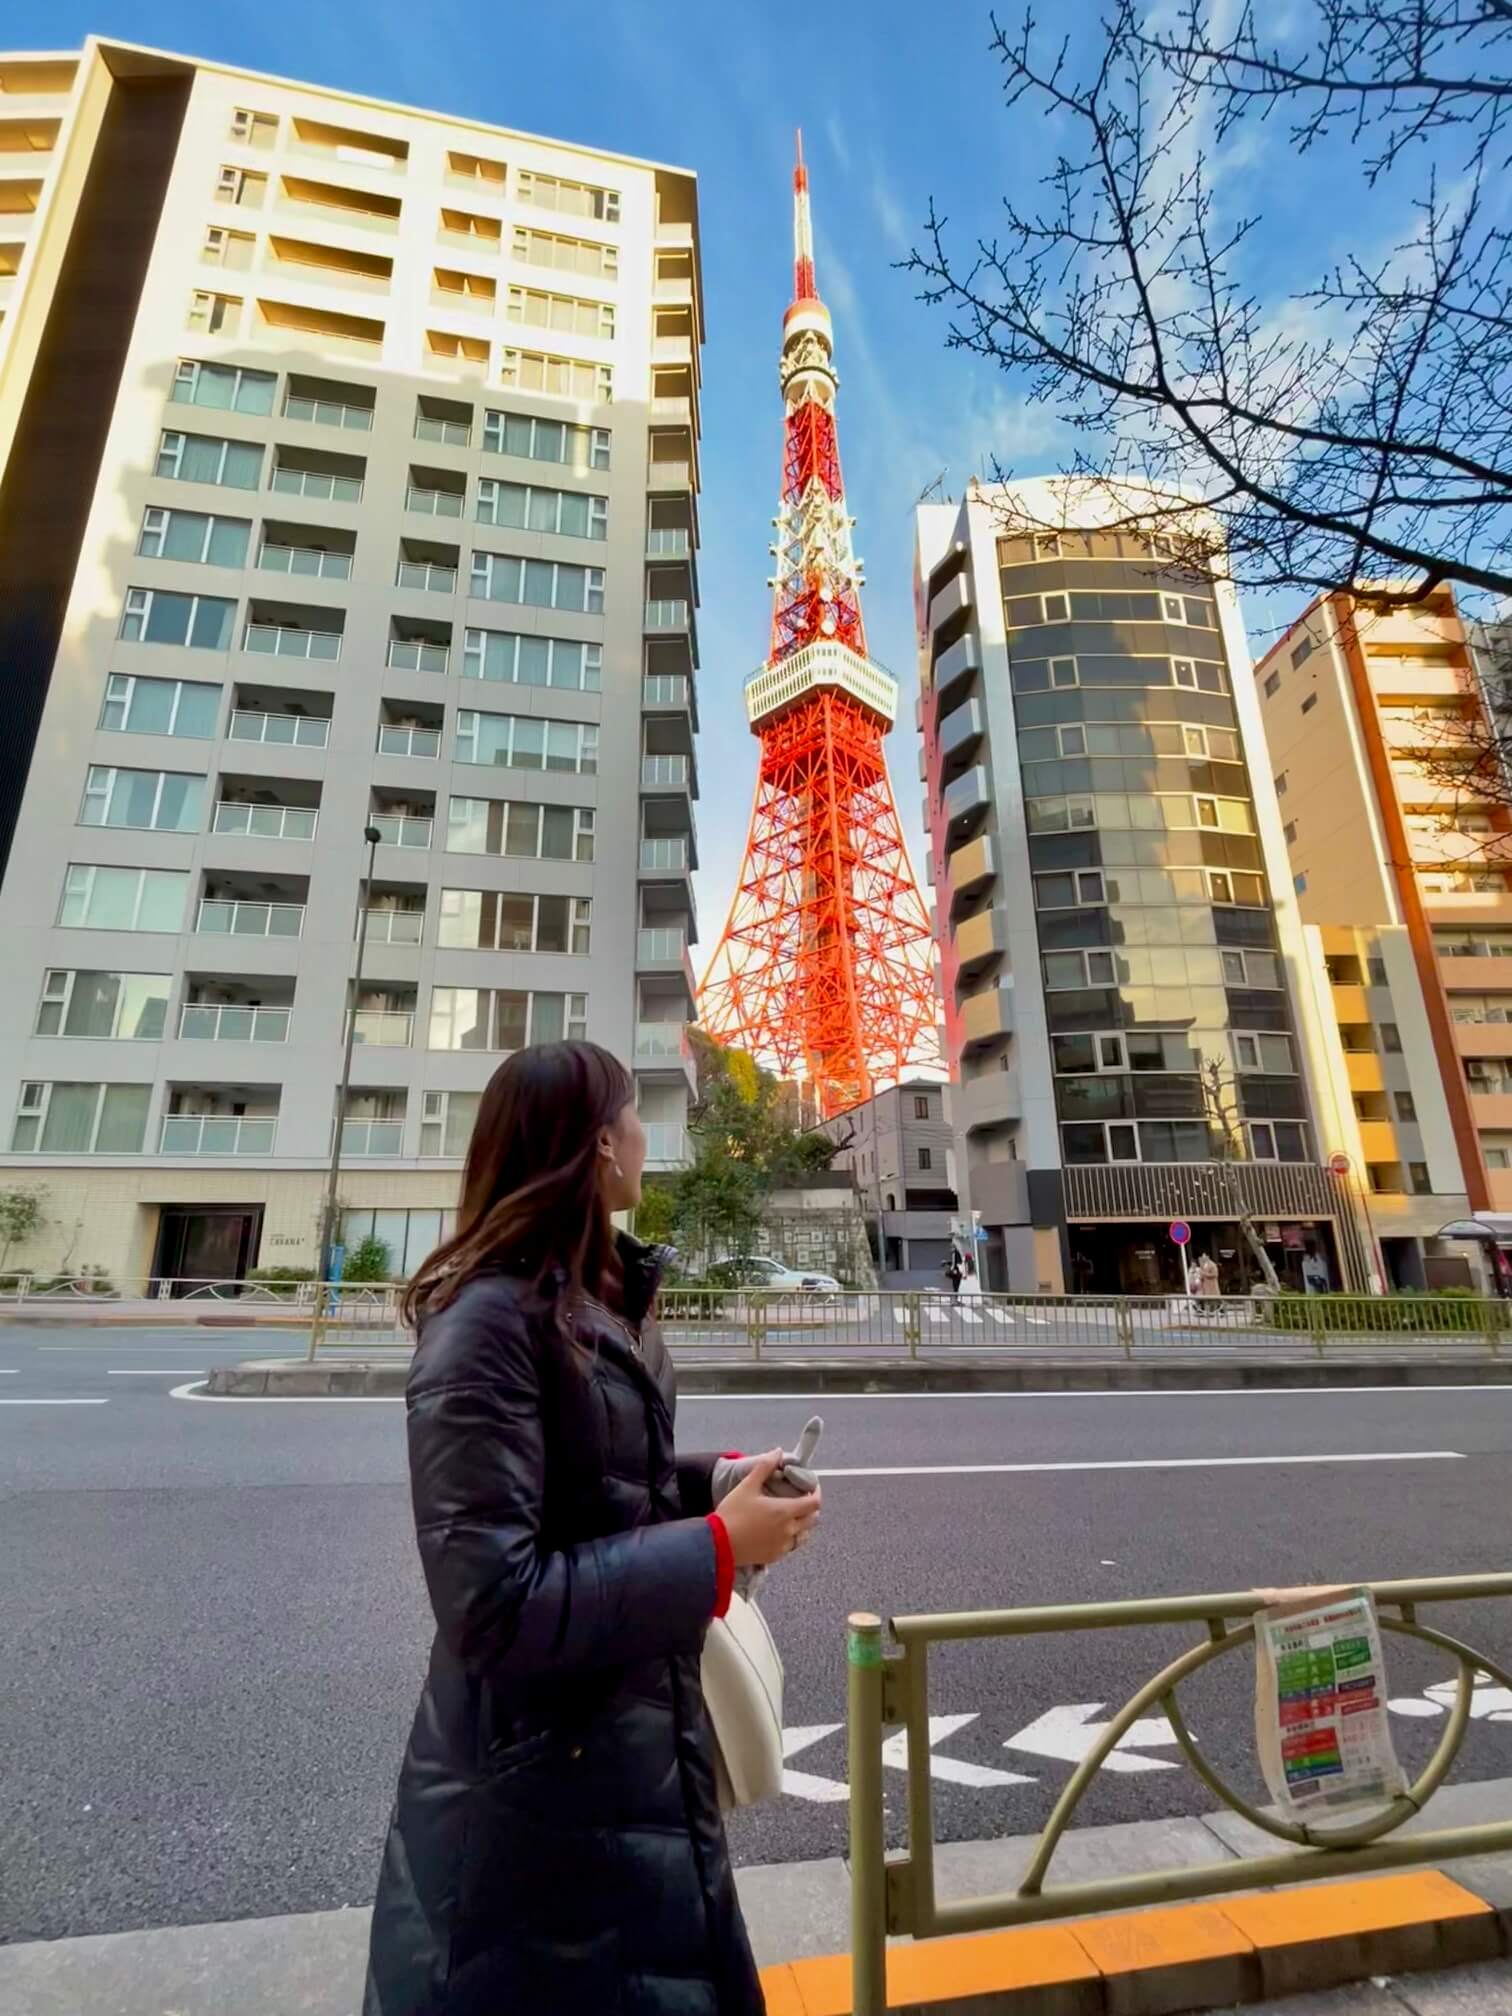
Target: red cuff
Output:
[
  {"x": 733, "y": 1455},
  {"x": 724, "y": 1565}
]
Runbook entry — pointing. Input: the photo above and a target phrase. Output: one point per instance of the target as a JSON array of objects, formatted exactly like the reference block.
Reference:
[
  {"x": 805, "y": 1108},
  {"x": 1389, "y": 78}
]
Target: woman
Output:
[{"x": 556, "y": 1843}]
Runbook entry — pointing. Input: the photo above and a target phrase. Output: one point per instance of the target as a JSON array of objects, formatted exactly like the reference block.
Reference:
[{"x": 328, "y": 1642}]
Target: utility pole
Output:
[{"x": 372, "y": 836}]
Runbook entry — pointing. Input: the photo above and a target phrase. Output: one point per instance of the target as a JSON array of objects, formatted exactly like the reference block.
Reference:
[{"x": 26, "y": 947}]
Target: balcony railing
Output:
[
  {"x": 299, "y": 731},
  {"x": 410, "y": 655},
  {"x": 428, "y": 574},
  {"x": 394, "y": 1027},
  {"x": 404, "y": 829},
  {"x": 666, "y": 1143},
  {"x": 433, "y": 503},
  {"x": 469, "y": 241},
  {"x": 311, "y": 561},
  {"x": 665, "y": 689},
  {"x": 231, "y": 918},
  {"x": 217, "y": 1134},
  {"x": 661, "y": 1039},
  {"x": 408, "y": 741},
  {"x": 318, "y": 483},
  {"x": 452, "y": 433},
  {"x": 667, "y": 851},
  {"x": 661, "y": 944},
  {"x": 372, "y": 1137},
  {"x": 395, "y": 927},
  {"x": 670, "y": 475},
  {"x": 279, "y": 640},
  {"x": 666, "y": 616},
  {"x": 266, "y": 822},
  {"x": 230, "y": 1022},
  {"x": 330, "y": 412},
  {"x": 665, "y": 542},
  {"x": 659, "y": 772}
]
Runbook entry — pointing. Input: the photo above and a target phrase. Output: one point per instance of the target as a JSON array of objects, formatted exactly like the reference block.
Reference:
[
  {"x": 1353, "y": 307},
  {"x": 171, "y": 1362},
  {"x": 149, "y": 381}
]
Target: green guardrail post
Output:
[
  {"x": 756, "y": 1320},
  {"x": 863, "y": 1665},
  {"x": 1125, "y": 1318},
  {"x": 1317, "y": 1323},
  {"x": 913, "y": 1323},
  {"x": 1492, "y": 1310}
]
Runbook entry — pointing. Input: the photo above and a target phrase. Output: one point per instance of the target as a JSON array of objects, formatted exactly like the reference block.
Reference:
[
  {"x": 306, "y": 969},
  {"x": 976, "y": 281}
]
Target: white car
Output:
[{"x": 757, "y": 1270}]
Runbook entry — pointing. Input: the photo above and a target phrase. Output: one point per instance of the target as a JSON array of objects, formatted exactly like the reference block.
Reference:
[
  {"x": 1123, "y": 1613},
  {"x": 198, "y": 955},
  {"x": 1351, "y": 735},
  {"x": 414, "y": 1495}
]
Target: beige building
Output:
[
  {"x": 348, "y": 479},
  {"x": 1401, "y": 866}
]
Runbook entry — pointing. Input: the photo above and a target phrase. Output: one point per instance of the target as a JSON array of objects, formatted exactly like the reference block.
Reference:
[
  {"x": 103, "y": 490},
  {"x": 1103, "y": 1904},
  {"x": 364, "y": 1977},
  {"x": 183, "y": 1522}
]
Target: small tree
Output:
[
  {"x": 1220, "y": 1097},
  {"x": 367, "y": 1261},
  {"x": 21, "y": 1215}
]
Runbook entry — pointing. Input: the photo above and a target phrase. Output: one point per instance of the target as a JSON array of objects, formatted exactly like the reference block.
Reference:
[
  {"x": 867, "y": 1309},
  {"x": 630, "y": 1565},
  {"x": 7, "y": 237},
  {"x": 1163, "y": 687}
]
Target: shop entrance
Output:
[
  {"x": 1124, "y": 1259},
  {"x": 205, "y": 1242}
]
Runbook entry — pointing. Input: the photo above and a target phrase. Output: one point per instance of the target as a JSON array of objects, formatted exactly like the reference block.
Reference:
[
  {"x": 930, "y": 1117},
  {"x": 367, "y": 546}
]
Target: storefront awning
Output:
[{"x": 1493, "y": 1227}]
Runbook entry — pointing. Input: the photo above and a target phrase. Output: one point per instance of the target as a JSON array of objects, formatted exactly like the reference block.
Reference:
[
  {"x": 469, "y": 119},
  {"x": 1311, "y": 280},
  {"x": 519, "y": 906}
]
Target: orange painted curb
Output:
[
  {"x": 1176, "y": 1936},
  {"x": 1339, "y": 1910}
]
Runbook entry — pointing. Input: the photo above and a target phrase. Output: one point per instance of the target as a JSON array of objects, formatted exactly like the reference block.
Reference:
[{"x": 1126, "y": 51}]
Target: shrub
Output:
[
  {"x": 367, "y": 1261},
  {"x": 1457, "y": 1310},
  {"x": 281, "y": 1281}
]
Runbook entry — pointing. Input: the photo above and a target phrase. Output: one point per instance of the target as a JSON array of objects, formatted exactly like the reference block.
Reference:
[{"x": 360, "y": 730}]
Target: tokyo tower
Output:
[{"x": 825, "y": 971}]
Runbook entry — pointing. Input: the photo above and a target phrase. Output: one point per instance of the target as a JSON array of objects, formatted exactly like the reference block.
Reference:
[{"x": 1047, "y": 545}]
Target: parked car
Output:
[{"x": 758, "y": 1270}]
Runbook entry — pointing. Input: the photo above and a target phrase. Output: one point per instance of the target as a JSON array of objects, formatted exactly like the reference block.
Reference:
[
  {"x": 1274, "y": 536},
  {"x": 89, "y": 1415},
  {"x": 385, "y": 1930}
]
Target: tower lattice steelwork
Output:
[{"x": 824, "y": 972}]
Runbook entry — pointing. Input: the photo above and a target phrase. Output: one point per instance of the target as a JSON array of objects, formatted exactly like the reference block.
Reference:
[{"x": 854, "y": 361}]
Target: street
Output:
[{"x": 215, "y": 1626}]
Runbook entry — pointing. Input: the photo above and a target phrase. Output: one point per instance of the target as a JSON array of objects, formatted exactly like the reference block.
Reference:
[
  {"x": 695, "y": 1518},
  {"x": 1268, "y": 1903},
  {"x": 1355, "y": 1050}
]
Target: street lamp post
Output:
[{"x": 372, "y": 836}]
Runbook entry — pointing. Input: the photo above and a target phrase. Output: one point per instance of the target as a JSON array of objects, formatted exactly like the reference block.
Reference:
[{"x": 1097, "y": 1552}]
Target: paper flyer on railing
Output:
[{"x": 1321, "y": 1727}]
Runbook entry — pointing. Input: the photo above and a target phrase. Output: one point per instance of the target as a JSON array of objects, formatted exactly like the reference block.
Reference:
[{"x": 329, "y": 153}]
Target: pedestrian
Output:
[
  {"x": 954, "y": 1271},
  {"x": 1194, "y": 1284},
  {"x": 1207, "y": 1270},
  {"x": 556, "y": 1842},
  {"x": 971, "y": 1281}
]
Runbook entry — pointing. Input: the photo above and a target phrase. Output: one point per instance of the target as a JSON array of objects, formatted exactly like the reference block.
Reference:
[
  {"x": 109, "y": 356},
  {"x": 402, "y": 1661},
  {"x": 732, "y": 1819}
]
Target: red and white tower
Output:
[{"x": 825, "y": 970}]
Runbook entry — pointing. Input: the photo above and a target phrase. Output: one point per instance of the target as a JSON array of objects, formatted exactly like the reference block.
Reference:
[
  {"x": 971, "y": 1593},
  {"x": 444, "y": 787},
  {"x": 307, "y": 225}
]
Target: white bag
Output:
[{"x": 742, "y": 1689}]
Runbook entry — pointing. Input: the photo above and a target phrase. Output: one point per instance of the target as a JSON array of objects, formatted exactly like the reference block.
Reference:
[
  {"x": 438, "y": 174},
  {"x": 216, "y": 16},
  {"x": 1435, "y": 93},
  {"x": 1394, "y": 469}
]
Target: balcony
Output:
[
  {"x": 967, "y": 802},
  {"x": 233, "y": 1022},
  {"x": 1350, "y": 1006},
  {"x": 217, "y": 1134},
  {"x": 284, "y": 640},
  {"x": 372, "y": 1137},
  {"x": 971, "y": 867},
  {"x": 951, "y": 600},
  {"x": 432, "y": 577},
  {"x": 395, "y": 927},
  {"x": 988, "y": 1015},
  {"x": 306, "y": 399},
  {"x": 313, "y": 562},
  {"x": 322, "y": 478},
  {"x": 666, "y": 773},
  {"x": 668, "y": 542},
  {"x": 672, "y": 690},
  {"x": 669, "y": 475},
  {"x": 390, "y": 1028},
  {"x": 666, "y": 1144},
  {"x": 1363, "y": 1068},
  {"x": 266, "y": 822},
  {"x": 237, "y": 917},
  {"x": 991, "y": 1100},
  {"x": 955, "y": 669},
  {"x": 665, "y": 854},
  {"x": 298, "y": 731},
  {"x": 404, "y": 829},
  {"x": 394, "y": 741},
  {"x": 413, "y": 654},
  {"x": 960, "y": 735},
  {"x": 667, "y": 619},
  {"x": 979, "y": 940},
  {"x": 444, "y": 421},
  {"x": 1378, "y": 1141},
  {"x": 662, "y": 1049}
]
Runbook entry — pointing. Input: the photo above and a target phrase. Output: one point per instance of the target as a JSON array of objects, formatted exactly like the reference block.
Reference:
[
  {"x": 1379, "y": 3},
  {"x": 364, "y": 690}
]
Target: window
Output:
[
  {"x": 1290, "y": 831},
  {"x": 501, "y": 921},
  {"x": 227, "y": 248},
  {"x": 512, "y": 660},
  {"x": 568, "y": 199},
  {"x": 1422, "y": 1182},
  {"x": 530, "y": 508},
  {"x": 446, "y": 1121},
  {"x": 122, "y": 899},
  {"x": 1299, "y": 884},
  {"x": 226, "y": 387},
  {"x": 1496, "y": 1158},
  {"x": 194, "y": 535},
  {"x": 1184, "y": 672},
  {"x": 921, "y": 1106},
  {"x": 1047, "y": 546},
  {"x": 568, "y": 377},
  {"x": 161, "y": 801},
  {"x": 1063, "y": 672},
  {"x": 1302, "y": 652},
  {"x": 926, "y": 1158},
  {"x": 253, "y": 129},
  {"x": 535, "y": 308},
  {"x": 160, "y": 707},
  {"x": 1405, "y": 1109},
  {"x": 537, "y": 584},
  {"x": 204, "y": 458},
  {"x": 1309, "y": 703},
  {"x": 525, "y": 832},
  {"x": 477, "y": 168},
  {"x": 1055, "y": 609},
  {"x": 1272, "y": 685},
  {"x": 527, "y": 742},
  {"x": 1281, "y": 784},
  {"x": 69, "y": 1119},
  {"x": 1250, "y": 969},
  {"x": 482, "y": 1018},
  {"x": 153, "y": 616},
  {"x": 245, "y": 187},
  {"x": 1079, "y": 969},
  {"x": 108, "y": 1005},
  {"x": 1391, "y": 1039},
  {"x": 1057, "y": 815},
  {"x": 1376, "y": 968},
  {"x": 565, "y": 255},
  {"x": 214, "y": 314},
  {"x": 580, "y": 448}
]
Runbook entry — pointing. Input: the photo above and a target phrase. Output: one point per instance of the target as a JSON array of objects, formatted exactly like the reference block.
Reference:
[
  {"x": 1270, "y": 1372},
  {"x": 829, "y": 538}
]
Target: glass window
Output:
[
  {"x": 225, "y": 386},
  {"x": 1272, "y": 685},
  {"x": 123, "y": 899},
  {"x": 127, "y": 1005},
  {"x": 1391, "y": 1038}
]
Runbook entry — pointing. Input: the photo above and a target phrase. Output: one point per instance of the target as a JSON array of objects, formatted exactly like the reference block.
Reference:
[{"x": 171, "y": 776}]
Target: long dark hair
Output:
[{"x": 531, "y": 1195}]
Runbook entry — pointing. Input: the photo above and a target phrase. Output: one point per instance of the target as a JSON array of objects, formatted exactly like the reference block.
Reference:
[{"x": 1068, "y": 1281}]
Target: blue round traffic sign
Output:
[{"x": 1180, "y": 1231}]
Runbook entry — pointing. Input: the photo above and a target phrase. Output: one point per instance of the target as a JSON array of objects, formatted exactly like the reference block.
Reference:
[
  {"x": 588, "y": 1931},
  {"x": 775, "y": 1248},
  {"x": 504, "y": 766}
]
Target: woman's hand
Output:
[{"x": 762, "y": 1529}]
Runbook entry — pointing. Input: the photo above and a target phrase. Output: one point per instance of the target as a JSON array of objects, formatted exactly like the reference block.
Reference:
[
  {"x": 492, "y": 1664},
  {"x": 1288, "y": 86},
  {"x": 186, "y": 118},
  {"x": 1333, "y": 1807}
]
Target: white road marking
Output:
[
  {"x": 1068, "y": 1735},
  {"x": 805, "y": 1784},
  {"x": 1149, "y": 1463},
  {"x": 192, "y": 1392},
  {"x": 7, "y": 1371},
  {"x": 1248, "y": 1395},
  {"x": 54, "y": 1403},
  {"x": 953, "y": 1770},
  {"x": 1488, "y": 1701},
  {"x": 155, "y": 1371}
]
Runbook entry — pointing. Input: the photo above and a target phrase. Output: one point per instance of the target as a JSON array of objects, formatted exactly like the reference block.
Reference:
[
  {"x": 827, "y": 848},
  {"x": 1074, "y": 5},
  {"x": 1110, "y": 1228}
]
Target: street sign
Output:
[
  {"x": 981, "y": 1233},
  {"x": 1340, "y": 1164},
  {"x": 1180, "y": 1231}
]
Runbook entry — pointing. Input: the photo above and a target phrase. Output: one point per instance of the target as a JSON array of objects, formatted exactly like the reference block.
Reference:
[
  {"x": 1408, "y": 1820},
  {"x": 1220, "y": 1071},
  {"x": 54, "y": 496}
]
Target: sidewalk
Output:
[{"x": 312, "y": 1964}]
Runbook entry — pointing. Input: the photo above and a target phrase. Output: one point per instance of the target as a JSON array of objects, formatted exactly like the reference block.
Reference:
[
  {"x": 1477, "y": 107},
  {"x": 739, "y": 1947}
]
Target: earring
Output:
[{"x": 617, "y": 1170}]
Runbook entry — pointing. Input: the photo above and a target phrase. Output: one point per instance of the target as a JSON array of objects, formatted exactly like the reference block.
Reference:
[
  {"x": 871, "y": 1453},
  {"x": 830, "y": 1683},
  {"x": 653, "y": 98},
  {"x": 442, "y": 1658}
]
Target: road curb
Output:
[
  {"x": 352, "y": 1378},
  {"x": 1223, "y": 1953}
]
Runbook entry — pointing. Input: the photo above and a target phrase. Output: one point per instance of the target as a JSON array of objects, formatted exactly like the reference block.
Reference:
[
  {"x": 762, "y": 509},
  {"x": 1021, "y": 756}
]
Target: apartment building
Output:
[
  {"x": 1400, "y": 843},
  {"x": 899, "y": 1149},
  {"x": 1120, "y": 946},
  {"x": 348, "y": 482}
]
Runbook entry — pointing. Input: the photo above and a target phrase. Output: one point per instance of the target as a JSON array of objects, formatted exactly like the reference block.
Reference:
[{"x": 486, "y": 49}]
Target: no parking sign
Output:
[{"x": 1180, "y": 1231}]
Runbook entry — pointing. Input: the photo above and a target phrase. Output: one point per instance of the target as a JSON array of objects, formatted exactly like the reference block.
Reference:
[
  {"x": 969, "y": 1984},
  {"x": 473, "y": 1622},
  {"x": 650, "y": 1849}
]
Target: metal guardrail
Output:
[{"x": 892, "y": 1894}]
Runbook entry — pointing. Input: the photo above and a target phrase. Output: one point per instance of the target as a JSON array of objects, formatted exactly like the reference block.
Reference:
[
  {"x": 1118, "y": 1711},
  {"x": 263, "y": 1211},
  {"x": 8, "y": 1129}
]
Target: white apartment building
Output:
[{"x": 348, "y": 479}]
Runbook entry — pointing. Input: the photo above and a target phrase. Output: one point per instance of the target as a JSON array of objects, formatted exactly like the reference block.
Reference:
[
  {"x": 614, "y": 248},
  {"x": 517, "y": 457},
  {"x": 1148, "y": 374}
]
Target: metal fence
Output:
[
  {"x": 894, "y": 1894},
  {"x": 728, "y": 1325}
]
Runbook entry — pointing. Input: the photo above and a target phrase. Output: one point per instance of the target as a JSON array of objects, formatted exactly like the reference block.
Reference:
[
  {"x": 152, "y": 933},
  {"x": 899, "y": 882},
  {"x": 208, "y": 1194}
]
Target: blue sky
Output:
[{"x": 907, "y": 105}]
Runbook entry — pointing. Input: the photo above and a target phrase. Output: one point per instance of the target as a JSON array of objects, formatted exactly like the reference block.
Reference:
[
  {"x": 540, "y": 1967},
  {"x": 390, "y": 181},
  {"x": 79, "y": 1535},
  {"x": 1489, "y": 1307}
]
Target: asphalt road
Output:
[{"x": 214, "y": 1626}]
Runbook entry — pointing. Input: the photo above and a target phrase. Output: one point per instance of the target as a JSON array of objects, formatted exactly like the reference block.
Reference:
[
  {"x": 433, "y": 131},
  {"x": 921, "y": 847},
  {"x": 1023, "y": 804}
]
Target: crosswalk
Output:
[{"x": 964, "y": 1314}]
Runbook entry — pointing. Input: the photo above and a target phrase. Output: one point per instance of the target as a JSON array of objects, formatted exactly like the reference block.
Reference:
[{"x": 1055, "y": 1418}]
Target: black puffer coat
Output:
[{"x": 556, "y": 1845}]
